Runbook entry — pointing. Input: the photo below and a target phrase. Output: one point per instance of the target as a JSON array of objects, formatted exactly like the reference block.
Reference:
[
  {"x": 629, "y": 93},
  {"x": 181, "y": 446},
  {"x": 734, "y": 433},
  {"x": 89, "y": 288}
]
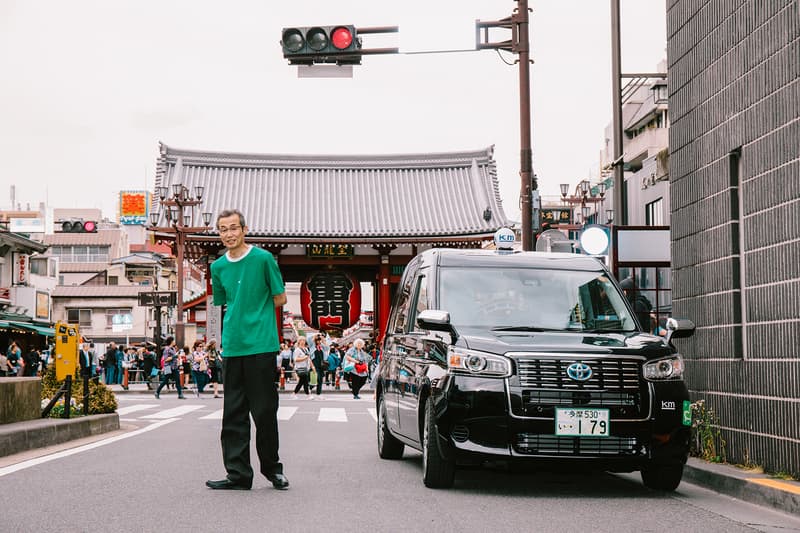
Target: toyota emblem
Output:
[{"x": 579, "y": 371}]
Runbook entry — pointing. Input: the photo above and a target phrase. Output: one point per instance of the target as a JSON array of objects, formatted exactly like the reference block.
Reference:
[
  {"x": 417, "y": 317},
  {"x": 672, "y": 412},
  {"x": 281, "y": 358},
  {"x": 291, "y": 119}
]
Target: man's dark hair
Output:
[
  {"x": 230, "y": 212},
  {"x": 168, "y": 341}
]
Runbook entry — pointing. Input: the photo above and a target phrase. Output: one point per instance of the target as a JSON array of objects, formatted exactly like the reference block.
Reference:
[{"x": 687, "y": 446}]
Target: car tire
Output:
[
  {"x": 388, "y": 446},
  {"x": 437, "y": 472},
  {"x": 662, "y": 477}
]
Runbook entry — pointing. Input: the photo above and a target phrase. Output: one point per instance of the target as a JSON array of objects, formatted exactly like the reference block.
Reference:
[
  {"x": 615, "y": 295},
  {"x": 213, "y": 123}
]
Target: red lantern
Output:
[{"x": 330, "y": 299}]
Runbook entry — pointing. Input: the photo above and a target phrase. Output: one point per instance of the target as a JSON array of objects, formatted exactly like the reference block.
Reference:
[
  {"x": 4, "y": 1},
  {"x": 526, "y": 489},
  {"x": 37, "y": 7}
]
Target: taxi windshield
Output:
[{"x": 532, "y": 299}]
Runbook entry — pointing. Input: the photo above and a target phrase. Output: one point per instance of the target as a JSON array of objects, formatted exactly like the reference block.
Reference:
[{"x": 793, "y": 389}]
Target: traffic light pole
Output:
[{"x": 519, "y": 24}]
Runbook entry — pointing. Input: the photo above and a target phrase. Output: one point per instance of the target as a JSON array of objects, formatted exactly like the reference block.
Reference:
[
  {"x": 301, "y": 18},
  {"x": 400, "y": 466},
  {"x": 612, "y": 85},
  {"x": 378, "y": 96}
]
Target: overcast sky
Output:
[{"x": 90, "y": 87}]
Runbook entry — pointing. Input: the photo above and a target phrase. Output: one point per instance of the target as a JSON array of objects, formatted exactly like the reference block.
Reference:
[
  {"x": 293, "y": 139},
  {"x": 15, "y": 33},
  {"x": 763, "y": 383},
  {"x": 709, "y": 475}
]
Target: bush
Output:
[
  {"x": 707, "y": 440},
  {"x": 101, "y": 399}
]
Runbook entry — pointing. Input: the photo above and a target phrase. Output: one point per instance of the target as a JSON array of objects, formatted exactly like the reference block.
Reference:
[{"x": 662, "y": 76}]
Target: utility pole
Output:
[
  {"x": 616, "y": 91},
  {"x": 519, "y": 24}
]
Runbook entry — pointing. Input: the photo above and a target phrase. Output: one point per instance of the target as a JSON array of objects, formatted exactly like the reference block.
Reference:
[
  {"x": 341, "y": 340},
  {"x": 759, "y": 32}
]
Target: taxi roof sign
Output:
[{"x": 504, "y": 239}]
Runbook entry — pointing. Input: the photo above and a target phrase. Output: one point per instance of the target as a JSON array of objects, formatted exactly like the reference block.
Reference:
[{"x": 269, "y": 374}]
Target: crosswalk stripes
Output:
[
  {"x": 216, "y": 415},
  {"x": 285, "y": 413},
  {"x": 175, "y": 411},
  {"x": 332, "y": 414},
  {"x": 134, "y": 408}
]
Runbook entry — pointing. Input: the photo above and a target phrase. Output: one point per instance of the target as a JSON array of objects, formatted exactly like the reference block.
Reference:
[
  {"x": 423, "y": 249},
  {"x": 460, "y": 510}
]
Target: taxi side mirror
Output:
[
  {"x": 437, "y": 320},
  {"x": 678, "y": 328}
]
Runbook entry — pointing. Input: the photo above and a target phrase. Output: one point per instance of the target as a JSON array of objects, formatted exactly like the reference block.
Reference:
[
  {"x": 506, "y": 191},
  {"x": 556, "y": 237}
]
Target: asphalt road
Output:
[{"x": 151, "y": 475}]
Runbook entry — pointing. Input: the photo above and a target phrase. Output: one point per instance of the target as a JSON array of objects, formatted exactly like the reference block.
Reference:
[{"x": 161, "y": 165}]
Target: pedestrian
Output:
[
  {"x": 247, "y": 279},
  {"x": 5, "y": 366},
  {"x": 85, "y": 361},
  {"x": 14, "y": 355},
  {"x": 215, "y": 364},
  {"x": 185, "y": 366},
  {"x": 302, "y": 365},
  {"x": 641, "y": 305},
  {"x": 358, "y": 358},
  {"x": 334, "y": 359},
  {"x": 319, "y": 359},
  {"x": 199, "y": 367},
  {"x": 110, "y": 363},
  {"x": 286, "y": 358},
  {"x": 93, "y": 357},
  {"x": 120, "y": 356},
  {"x": 31, "y": 361},
  {"x": 170, "y": 369},
  {"x": 148, "y": 364}
]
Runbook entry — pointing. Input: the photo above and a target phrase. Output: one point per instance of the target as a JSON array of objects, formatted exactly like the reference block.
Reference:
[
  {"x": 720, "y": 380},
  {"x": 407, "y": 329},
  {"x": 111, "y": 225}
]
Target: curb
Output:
[
  {"x": 756, "y": 488},
  {"x": 33, "y": 434}
]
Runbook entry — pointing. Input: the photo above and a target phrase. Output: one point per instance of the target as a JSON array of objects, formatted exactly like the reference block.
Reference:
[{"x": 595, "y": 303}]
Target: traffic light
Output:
[
  {"x": 322, "y": 44},
  {"x": 79, "y": 226}
]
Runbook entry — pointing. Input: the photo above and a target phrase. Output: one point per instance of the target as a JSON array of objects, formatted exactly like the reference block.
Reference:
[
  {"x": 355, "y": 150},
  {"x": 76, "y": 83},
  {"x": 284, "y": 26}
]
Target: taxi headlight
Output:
[
  {"x": 478, "y": 363},
  {"x": 670, "y": 368}
]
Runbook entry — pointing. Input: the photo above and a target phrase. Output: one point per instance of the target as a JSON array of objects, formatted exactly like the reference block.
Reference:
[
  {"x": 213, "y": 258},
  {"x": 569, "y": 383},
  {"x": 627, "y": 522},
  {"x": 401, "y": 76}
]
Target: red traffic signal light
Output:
[
  {"x": 341, "y": 38},
  {"x": 79, "y": 226},
  {"x": 321, "y": 44}
]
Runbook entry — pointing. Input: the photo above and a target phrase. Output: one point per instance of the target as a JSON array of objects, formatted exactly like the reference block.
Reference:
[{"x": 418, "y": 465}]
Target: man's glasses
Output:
[{"x": 233, "y": 229}]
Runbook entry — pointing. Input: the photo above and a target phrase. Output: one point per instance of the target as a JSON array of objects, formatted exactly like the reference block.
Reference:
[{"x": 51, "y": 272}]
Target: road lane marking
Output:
[
  {"x": 332, "y": 414},
  {"x": 285, "y": 413},
  {"x": 216, "y": 415},
  {"x": 66, "y": 453},
  {"x": 374, "y": 413},
  {"x": 174, "y": 412},
  {"x": 134, "y": 408}
]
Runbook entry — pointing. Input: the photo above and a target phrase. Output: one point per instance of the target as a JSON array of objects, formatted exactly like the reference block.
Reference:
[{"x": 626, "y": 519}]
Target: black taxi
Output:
[{"x": 507, "y": 356}]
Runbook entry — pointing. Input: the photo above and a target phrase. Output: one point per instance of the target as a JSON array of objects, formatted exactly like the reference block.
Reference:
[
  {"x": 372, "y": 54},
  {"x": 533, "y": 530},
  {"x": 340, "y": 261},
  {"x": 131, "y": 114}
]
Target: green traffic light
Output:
[{"x": 293, "y": 40}]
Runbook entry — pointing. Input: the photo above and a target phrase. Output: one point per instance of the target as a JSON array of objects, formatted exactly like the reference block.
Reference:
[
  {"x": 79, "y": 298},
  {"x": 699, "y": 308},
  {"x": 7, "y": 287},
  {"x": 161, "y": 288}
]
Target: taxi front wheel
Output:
[
  {"x": 388, "y": 446},
  {"x": 437, "y": 471},
  {"x": 662, "y": 477}
]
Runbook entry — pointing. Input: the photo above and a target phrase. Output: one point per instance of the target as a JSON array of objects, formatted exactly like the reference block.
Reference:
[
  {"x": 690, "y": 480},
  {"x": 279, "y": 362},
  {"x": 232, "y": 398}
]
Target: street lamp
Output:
[
  {"x": 584, "y": 195},
  {"x": 178, "y": 212}
]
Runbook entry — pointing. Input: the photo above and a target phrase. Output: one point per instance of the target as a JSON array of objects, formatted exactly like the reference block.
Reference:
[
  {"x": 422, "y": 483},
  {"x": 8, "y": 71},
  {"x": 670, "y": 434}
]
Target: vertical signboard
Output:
[{"x": 21, "y": 273}]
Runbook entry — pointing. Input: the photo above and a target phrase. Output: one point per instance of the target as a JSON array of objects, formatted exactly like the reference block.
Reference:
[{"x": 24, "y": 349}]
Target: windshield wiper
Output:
[
  {"x": 607, "y": 330},
  {"x": 523, "y": 328}
]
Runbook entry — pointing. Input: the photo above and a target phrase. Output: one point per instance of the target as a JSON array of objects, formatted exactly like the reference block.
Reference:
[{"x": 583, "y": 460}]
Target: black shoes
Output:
[
  {"x": 158, "y": 396},
  {"x": 181, "y": 397},
  {"x": 279, "y": 481},
  {"x": 226, "y": 484}
]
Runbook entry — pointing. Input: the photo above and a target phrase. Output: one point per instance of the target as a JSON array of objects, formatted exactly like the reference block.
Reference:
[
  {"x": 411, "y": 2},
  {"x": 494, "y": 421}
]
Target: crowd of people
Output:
[
  {"x": 326, "y": 362},
  {"x": 29, "y": 363}
]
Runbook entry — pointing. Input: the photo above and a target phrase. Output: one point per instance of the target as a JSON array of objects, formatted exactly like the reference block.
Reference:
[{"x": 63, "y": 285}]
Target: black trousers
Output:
[{"x": 250, "y": 390}]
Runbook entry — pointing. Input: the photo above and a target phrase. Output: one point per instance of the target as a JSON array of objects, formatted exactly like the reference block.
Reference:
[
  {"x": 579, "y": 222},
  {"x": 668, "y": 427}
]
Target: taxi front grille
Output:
[
  {"x": 613, "y": 375},
  {"x": 536, "y": 444}
]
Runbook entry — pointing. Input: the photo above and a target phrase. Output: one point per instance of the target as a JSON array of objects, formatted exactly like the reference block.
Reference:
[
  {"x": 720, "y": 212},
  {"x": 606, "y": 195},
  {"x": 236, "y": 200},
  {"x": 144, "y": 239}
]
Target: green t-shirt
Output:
[{"x": 247, "y": 285}]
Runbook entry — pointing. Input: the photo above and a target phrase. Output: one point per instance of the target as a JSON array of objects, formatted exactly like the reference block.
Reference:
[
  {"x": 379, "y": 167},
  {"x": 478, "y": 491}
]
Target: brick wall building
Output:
[{"x": 734, "y": 86}]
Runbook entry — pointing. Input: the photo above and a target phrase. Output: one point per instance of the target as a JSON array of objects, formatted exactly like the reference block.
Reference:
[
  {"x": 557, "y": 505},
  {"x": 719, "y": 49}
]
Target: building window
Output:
[
  {"x": 81, "y": 254},
  {"x": 654, "y": 213},
  {"x": 113, "y": 280},
  {"x": 82, "y": 317},
  {"x": 118, "y": 311}
]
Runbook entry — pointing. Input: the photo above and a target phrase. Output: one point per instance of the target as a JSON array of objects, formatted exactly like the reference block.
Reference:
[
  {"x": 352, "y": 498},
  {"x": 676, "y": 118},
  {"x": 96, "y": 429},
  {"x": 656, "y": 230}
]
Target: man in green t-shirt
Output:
[{"x": 248, "y": 282}]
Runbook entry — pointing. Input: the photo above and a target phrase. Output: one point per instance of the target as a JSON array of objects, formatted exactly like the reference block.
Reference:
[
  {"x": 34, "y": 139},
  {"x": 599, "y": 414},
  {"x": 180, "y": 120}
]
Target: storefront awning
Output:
[{"x": 41, "y": 330}]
